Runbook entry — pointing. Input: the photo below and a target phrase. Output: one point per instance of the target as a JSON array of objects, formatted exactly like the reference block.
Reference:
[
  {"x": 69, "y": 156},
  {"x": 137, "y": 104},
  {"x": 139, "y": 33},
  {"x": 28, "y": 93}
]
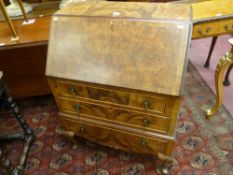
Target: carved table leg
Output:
[
  {"x": 226, "y": 80},
  {"x": 213, "y": 42},
  {"x": 222, "y": 66}
]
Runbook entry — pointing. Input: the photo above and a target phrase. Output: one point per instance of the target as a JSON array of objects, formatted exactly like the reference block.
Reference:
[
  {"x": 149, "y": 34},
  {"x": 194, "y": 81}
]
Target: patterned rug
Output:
[{"x": 202, "y": 148}]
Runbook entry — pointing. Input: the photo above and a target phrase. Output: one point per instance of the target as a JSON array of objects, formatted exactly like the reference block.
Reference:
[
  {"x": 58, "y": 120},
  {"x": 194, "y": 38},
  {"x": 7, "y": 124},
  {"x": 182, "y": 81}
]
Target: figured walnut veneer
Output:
[
  {"x": 109, "y": 55},
  {"x": 125, "y": 108},
  {"x": 116, "y": 72}
]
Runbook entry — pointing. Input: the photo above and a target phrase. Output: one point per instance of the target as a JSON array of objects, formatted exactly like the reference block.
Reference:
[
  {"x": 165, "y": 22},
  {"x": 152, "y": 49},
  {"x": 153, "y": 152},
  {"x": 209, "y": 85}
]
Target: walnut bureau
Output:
[{"x": 116, "y": 72}]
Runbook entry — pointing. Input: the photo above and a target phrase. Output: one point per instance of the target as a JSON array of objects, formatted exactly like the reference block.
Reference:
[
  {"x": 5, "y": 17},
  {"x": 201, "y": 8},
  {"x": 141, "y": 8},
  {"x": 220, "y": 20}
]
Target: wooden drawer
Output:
[
  {"x": 212, "y": 28},
  {"x": 118, "y": 139},
  {"x": 113, "y": 114},
  {"x": 147, "y": 103}
]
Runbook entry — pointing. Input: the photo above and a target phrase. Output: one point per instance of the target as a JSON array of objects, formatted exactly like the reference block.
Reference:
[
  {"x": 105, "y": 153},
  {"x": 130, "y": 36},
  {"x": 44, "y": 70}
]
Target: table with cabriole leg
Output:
[{"x": 26, "y": 134}]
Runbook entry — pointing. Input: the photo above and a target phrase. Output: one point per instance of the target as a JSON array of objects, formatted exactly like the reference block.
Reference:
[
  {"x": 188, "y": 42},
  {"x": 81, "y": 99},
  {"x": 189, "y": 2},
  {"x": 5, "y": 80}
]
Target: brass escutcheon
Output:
[
  {"x": 77, "y": 107},
  {"x": 82, "y": 129},
  {"x": 227, "y": 27},
  {"x": 73, "y": 91},
  {"x": 146, "y": 104},
  {"x": 146, "y": 122},
  {"x": 144, "y": 143}
]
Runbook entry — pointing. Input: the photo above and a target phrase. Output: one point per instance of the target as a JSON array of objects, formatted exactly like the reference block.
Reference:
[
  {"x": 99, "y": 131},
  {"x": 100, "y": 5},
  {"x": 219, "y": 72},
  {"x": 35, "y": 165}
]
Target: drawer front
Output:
[
  {"x": 114, "y": 114},
  {"x": 212, "y": 28},
  {"x": 147, "y": 103},
  {"x": 119, "y": 139}
]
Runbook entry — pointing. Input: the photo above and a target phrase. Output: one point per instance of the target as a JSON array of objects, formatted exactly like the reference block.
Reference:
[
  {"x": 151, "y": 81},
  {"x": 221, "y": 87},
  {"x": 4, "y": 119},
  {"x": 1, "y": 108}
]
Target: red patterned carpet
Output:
[{"x": 203, "y": 147}]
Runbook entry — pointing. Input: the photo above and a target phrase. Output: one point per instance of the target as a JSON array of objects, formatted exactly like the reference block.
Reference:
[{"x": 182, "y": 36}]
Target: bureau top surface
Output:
[
  {"x": 128, "y": 10},
  {"x": 137, "y": 46}
]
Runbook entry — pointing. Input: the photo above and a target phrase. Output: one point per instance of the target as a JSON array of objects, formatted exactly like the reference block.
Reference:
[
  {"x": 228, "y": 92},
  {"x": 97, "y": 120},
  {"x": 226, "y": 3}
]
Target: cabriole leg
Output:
[{"x": 222, "y": 66}]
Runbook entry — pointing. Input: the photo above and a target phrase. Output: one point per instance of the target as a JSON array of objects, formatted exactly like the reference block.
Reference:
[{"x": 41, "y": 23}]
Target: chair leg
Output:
[
  {"x": 226, "y": 80},
  {"x": 207, "y": 63},
  {"x": 14, "y": 108},
  {"x": 27, "y": 134},
  {"x": 6, "y": 164}
]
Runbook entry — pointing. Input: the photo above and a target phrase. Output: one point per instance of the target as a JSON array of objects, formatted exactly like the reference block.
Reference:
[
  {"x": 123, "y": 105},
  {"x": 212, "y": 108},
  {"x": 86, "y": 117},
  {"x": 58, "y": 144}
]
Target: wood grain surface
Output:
[
  {"x": 113, "y": 96},
  {"x": 133, "y": 10},
  {"x": 117, "y": 137},
  {"x": 24, "y": 70},
  {"x": 137, "y": 53},
  {"x": 29, "y": 34},
  {"x": 110, "y": 123},
  {"x": 212, "y": 18},
  {"x": 121, "y": 97},
  {"x": 116, "y": 71},
  {"x": 37, "y": 34},
  {"x": 213, "y": 28},
  {"x": 118, "y": 115}
]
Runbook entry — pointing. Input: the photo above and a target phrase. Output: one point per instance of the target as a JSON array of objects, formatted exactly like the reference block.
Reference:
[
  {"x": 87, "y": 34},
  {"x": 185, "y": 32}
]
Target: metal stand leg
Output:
[{"x": 207, "y": 63}]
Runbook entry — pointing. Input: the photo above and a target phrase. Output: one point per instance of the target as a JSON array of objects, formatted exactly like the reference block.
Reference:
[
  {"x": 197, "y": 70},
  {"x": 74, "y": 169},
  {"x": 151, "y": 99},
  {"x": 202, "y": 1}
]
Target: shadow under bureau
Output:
[{"x": 116, "y": 72}]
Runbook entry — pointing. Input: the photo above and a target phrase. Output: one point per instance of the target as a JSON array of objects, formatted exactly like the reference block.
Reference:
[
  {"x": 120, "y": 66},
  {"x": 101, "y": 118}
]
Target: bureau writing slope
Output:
[{"x": 116, "y": 71}]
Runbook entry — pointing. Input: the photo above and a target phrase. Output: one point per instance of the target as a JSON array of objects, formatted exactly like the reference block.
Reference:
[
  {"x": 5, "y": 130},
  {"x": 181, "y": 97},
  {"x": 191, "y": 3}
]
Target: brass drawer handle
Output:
[
  {"x": 144, "y": 143},
  {"x": 77, "y": 107},
  {"x": 146, "y": 104},
  {"x": 146, "y": 122},
  {"x": 82, "y": 129},
  {"x": 227, "y": 27},
  {"x": 208, "y": 29},
  {"x": 73, "y": 91}
]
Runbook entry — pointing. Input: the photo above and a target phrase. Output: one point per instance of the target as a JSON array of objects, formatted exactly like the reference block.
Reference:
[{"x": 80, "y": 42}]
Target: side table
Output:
[
  {"x": 225, "y": 63},
  {"x": 27, "y": 134}
]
